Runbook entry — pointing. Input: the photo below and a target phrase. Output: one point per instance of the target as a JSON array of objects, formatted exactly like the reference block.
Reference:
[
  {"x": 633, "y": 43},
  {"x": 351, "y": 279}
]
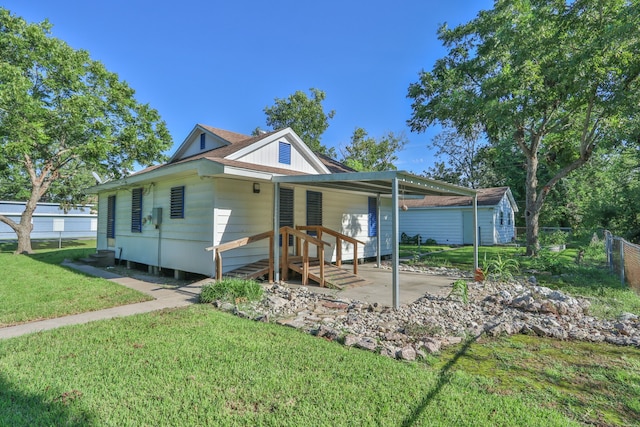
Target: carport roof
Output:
[{"x": 378, "y": 183}]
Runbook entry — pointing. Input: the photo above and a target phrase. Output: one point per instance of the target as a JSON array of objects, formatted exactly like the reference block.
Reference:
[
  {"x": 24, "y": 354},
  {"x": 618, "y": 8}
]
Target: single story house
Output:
[
  {"x": 224, "y": 188},
  {"x": 50, "y": 221},
  {"x": 449, "y": 219}
]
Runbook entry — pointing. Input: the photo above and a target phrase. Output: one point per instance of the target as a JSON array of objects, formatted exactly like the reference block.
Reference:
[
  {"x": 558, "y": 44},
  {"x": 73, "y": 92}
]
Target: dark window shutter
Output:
[
  {"x": 202, "y": 141},
  {"x": 284, "y": 153},
  {"x": 111, "y": 217},
  {"x": 286, "y": 210},
  {"x": 136, "y": 210},
  {"x": 373, "y": 217},
  {"x": 314, "y": 208},
  {"x": 177, "y": 202}
]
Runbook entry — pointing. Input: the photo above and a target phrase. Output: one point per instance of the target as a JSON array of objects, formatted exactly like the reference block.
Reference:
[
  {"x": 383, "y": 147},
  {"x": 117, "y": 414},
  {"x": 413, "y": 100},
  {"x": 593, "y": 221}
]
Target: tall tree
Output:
[
  {"x": 304, "y": 115},
  {"x": 461, "y": 154},
  {"x": 365, "y": 153},
  {"x": 63, "y": 115},
  {"x": 553, "y": 78}
]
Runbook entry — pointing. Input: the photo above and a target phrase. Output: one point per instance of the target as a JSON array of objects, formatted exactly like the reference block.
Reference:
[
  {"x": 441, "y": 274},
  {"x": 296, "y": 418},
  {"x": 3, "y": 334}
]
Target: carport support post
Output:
[
  {"x": 395, "y": 253},
  {"x": 475, "y": 235},
  {"x": 378, "y": 244},
  {"x": 276, "y": 232}
]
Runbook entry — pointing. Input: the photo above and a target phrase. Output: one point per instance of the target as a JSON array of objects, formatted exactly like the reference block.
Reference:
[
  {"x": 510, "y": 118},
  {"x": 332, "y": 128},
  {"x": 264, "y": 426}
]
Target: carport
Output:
[{"x": 378, "y": 184}]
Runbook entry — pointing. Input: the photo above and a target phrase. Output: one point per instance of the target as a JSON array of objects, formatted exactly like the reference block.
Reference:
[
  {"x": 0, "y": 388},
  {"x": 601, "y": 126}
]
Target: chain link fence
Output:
[{"x": 623, "y": 258}]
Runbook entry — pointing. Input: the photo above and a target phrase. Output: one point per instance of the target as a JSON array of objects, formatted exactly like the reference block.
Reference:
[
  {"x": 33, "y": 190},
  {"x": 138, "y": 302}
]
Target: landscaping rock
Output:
[{"x": 432, "y": 321}]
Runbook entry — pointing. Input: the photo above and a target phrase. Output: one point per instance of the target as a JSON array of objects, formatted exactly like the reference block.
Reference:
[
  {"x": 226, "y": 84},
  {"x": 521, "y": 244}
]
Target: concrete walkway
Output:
[{"x": 163, "y": 298}]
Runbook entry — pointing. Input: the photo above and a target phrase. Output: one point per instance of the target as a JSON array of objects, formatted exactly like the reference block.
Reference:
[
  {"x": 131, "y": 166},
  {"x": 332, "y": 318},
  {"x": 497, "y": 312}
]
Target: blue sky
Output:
[{"x": 222, "y": 62}]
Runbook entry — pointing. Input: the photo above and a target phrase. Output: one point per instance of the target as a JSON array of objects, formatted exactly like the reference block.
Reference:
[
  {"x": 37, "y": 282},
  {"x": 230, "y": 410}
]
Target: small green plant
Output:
[
  {"x": 501, "y": 269},
  {"x": 547, "y": 260},
  {"x": 430, "y": 242},
  {"x": 556, "y": 238},
  {"x": 460, "y": 288},
  {"x": 231, "y": 290}
]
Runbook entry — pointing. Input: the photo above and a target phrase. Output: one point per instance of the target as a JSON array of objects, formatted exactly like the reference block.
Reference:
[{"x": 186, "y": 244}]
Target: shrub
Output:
[
  {"x": 556, "y": 238},
  {"x": 460, "y": 288},
  {"x": 231, "y": 290},
  {"x": 430, "y": 242},
  {"x": 500, "y": 268}
]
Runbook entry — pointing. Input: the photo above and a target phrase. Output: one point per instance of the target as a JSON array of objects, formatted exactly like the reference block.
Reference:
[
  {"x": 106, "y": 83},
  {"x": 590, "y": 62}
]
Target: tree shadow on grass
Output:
[
  {"x": 20, "y": 409},
  {"x": 443, "y": 378}
]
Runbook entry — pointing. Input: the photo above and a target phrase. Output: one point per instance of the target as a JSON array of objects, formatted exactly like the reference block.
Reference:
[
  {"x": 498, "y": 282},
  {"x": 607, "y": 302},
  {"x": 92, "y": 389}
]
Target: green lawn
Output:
[
  {"x": 36, "y": 287},
  {"x": 199, "y": 366}
]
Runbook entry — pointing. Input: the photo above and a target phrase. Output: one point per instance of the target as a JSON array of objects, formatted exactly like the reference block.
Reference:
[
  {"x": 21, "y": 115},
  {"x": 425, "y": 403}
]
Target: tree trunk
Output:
[
  {"x": 23, "y": 231},
  {"x": 532, "y": 209}
]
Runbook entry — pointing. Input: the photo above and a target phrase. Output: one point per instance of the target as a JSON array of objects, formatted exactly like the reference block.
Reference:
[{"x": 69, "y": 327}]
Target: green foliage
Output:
[
  {"x": 555, "y": 238},
  {"x": 460, "y": 288},
  {"x": 549, "y": 261},
  {"x": 461, "y": 153},
  {"x": 365, "y": 153},
  {"x": 230, "y": 289},
  {"x": 63, "y": 115},
  {"x": 549, "y": 80},
  {"x": 499, "y": 268},
  {"x": 430, "y": 242},
  {"x": 304, "y": 115},
  {"x": 198, "y": 366},
  {"x": 36, "y": 287}
]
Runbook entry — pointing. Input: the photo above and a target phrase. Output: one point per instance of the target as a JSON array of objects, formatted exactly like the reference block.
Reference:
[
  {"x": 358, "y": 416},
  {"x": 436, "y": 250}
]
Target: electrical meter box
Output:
[{"x": 156, "y": 216}]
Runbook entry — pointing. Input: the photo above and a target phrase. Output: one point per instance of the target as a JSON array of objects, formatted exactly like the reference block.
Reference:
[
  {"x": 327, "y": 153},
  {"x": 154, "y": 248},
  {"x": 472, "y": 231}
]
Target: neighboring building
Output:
[
  {"x": 51, "y": 222},
  {"x": 449, "y": 219},
  {"x": 220, "y": 186}
]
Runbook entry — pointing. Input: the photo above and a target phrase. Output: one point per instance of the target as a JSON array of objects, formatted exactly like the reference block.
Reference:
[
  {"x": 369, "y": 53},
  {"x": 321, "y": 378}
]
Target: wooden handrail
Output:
[
  {"x": 300, "y": 236},
  {"x": 319, "y": 229},
  {"x": 239, "y": 243}
]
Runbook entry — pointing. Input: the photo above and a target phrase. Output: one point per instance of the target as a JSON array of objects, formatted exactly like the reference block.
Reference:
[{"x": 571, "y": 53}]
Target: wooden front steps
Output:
[
  {"x": 250, "y": 271},
  {"x": 334, "y": 277}
]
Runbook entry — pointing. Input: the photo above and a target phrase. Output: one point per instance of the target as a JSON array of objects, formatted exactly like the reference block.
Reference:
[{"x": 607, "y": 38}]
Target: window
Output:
[
  {"x": 286, "y": 211},
  {"x": 111, "y": 217},
  {"x": 501, "y": 217},
  {"x": 373, "y": 217},
  {"x": 136, "y": 210},
  {"x": 202, "y": 141},
  {"x": 177, "y": 202},
  {"x": 509, "y": 218},
  {"x": 314, "y": 208},
  {"x": 284, "y": 153}
]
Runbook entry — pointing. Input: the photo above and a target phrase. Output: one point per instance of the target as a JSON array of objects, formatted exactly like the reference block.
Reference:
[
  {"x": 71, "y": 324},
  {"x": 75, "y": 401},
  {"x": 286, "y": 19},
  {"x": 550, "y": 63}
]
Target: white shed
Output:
[{"x": 449, "y": 219}]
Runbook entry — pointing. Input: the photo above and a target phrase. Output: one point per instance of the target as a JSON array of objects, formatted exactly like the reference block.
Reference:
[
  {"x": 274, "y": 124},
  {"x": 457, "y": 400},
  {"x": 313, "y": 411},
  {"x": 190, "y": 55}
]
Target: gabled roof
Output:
[
  {"x": 232, "y": 147},
  {"x": 486, "y": 197}
]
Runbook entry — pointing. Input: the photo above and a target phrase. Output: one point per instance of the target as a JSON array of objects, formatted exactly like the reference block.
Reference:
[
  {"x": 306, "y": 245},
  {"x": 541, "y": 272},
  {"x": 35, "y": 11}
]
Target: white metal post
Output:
[
  {"x": 475, "y": 234},
  {"x": 276, "y": 232},
  {"x": 378, "y": 244},
  {"x": 395, "y": 253}
]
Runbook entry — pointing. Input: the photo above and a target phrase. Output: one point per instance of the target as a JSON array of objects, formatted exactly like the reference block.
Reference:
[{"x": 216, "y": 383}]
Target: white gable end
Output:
[
  {"x": 198, "y": 141},
  {"x": 283, "y": 150}
]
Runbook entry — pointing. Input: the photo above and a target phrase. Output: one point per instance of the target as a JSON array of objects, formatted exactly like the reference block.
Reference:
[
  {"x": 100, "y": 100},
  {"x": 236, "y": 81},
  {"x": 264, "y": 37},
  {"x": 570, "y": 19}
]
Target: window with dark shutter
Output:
[
  {"x": 286, "y": 211},
  {"x": 136, "y": 210},
  {"x": 284, "y": 153},
  {"x": 202, "y": 141},
  {"x": 373, "y": 217},
  {"x": 314, "y": 208},
  {"x": 177, "y": 202},
  {"x": 111, "y": 217}
]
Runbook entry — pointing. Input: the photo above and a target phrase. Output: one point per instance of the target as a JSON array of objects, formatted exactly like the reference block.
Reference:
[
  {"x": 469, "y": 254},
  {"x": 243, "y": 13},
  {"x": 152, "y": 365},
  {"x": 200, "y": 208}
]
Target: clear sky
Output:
[{"x": 222, "y": 62}]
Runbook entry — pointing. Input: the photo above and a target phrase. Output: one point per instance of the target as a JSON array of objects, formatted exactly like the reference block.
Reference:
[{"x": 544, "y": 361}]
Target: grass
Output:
[
  {"x": 597, "y": 384},
  {"x": 591, "y": 279},
  {"x": 198, "y": 366},
  {"x": 36, "y": 287},
  {"x": 411, "y": 251}
]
